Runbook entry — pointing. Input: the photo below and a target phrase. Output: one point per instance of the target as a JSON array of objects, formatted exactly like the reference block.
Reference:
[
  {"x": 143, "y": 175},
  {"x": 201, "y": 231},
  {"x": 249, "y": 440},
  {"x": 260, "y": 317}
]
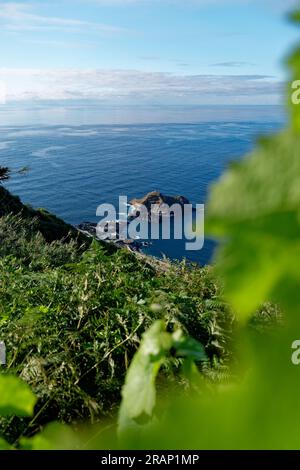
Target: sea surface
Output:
[{"x": 73, "y": 169}]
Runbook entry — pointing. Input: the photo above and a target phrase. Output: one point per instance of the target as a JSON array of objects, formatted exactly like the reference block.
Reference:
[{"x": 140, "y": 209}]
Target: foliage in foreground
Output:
[
  {"x": 254, "y": 210},
  {"x": 72, "y": 320}
]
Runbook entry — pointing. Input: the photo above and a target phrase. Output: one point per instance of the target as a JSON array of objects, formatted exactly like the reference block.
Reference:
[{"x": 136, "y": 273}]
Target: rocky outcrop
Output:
[
  {"x": 154, "y": 206},
  {"x": 90, "y": 229},
  {"x": 155, "y": 202},
  {"x": 156, "y": 197}
]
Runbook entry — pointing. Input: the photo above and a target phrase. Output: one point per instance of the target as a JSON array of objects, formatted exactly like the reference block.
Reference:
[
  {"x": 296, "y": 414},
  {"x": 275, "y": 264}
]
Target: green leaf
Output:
[
  {"x": 16, "y": 398},
  {"x": 5, "y": 445},
  {"x": 294, "y": 65},
  {"x": 139, "y": 393},
  {"x": 295, "y": 16},
  {"x": 188, "y": 347},
  {"x": 55, "y": 436},
  {"x": 191, "y": 372},
  {"x": 255, "y": 211}
]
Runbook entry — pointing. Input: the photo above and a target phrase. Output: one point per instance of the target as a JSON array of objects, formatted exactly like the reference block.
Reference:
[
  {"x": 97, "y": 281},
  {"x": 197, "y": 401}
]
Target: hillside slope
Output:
[
  {"x": 72, "y": 314},
  {"x": 51, "y": 227}
]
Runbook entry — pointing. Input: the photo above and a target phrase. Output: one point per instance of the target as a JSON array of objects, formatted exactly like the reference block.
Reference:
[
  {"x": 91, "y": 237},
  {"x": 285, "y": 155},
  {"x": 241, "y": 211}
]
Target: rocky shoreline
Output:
[
  {"x": 89, "y": 229},
  {"x": 153, "y": 206}
]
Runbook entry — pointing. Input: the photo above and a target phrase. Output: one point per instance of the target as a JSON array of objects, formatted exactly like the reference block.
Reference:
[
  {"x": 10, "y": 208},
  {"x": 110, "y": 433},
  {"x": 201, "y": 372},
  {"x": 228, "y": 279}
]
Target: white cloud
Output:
[
  {"x": 132, "y": 86},
  {"x": 233, "y": 64},
  {"x": 20, "y": 17}
]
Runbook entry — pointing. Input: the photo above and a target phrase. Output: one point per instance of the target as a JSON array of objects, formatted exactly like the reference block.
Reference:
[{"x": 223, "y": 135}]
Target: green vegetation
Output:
[
  {"x": 50, "y": 226},
  {"x": 73, "y": 316},
  {"x": 254, "y": 211}
]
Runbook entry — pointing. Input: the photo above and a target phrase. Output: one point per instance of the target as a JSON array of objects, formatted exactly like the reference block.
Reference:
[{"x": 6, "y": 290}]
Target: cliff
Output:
[{"x": 51, "y": 227}]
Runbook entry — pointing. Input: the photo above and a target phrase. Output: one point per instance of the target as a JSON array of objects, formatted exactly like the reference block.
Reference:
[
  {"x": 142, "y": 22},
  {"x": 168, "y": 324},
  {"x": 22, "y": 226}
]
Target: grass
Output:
[{"x": 72, "y": 314}]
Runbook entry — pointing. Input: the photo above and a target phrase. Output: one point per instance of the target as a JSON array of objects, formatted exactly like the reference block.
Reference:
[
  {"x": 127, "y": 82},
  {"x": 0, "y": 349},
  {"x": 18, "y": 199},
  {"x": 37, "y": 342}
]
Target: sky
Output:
[{"x": 144, "y": 52}]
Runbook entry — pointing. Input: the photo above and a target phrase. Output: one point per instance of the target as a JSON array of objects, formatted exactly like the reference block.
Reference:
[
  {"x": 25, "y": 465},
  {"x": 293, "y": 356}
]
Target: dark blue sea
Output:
[{"x": 73, "y": 169}]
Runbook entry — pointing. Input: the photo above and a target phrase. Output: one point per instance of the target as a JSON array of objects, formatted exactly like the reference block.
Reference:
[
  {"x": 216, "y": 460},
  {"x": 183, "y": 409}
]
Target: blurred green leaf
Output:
[
  {"x": 188, "y": 347},
  {"x": 55, "y": 436},
  {"x": 255, "y": 210},
  {"x": 294, "y": 65},
  {"x": 5, "y": 445},
  {"x": 139, "y": 393},
  {"x": 16, "y": 398},
  {"x": 295, "y": 16}
]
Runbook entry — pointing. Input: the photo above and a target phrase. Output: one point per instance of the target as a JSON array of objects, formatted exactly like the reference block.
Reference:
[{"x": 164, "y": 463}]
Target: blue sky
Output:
[{"x": 145, "y": 51}]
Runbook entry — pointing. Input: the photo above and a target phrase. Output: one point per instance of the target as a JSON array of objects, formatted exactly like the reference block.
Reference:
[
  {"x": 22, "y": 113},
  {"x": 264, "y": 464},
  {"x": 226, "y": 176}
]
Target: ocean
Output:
[{"x": 75, "y": 168}]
